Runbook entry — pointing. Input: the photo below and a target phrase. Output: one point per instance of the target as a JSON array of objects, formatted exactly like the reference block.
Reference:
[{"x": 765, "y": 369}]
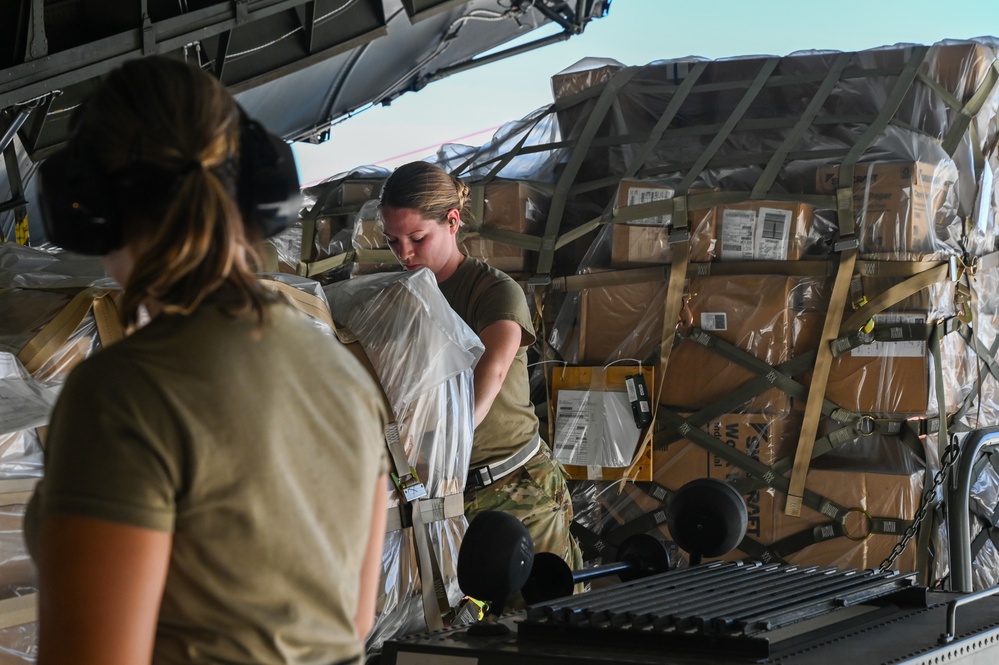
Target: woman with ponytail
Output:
[
  {"x": 512, "y": 469},
  {"x": 214, "y": 484}
]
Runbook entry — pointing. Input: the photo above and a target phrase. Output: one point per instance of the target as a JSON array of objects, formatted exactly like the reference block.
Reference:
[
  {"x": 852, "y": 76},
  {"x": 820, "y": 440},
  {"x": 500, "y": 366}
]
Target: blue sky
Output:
[{"x": 466, "y": 108}]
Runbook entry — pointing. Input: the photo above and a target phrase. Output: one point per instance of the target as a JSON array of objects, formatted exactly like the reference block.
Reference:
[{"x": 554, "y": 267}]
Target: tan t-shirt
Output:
[
  {"x": 259, "y": 450},
  {"x": 482, "y": 295}
]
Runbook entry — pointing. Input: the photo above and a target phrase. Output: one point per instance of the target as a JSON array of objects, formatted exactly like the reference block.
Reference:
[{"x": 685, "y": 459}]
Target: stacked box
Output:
[
  {"x": 339, "y": 203},
  {"x": 899, "y": 206},
  {"x": 636, "y": 311},
  {"x": 508, "y": 206},
  {"x": 645, "y": 241},
  {"x": 863, "y": 494},
  {"x": 732, "y": 309}
]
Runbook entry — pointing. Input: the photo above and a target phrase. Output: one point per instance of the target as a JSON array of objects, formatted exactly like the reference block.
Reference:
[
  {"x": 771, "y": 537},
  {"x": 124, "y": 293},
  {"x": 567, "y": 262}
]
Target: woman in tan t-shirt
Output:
[{"x": 512, "y": 468}]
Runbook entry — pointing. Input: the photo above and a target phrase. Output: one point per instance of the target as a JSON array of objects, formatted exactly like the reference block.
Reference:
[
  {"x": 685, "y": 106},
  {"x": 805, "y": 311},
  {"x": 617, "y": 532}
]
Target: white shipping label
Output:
[
  {"x": 737, "y": 234},
  {"x": 595, "y": 428},
  {"x": 890, "y": 349},
  {"x": 638, "y": 195},
  {"x": 714, "y": 321},
  {"x": 773, "y": 227}
]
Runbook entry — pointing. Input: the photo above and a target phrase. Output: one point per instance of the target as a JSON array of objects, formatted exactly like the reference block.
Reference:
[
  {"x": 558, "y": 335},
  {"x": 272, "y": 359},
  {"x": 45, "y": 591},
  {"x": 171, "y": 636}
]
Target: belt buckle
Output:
[
  {"x": 410, "y": 485},
  {"x": 482, "y": 477}
]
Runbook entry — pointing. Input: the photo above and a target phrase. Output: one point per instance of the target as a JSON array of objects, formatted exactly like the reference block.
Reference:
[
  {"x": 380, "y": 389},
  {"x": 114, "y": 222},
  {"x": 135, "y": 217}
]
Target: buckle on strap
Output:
[
  {"x": 484, "y": 476},
  {"x": 410, "y": 485},
  {"x": 480, "y": 477}
]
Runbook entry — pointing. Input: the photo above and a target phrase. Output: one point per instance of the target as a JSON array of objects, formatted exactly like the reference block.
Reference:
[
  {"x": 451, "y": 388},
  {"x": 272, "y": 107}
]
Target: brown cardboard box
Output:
[
  {"x": 340, "y": 203},
  {"x": 877, "y": 494},
  {"x": 747, "y": 311},
  {"x": 583, "y": 75},
  {"x": 765, "y": 437},
  {"x": 636, "y": 313},
  {"x": 509, "y": 206},
  {"x": 763, "y": 230},
  {"x": 646, "y": 241},
  {"x": 897, "y": 205},
  {"x": 881, "y": 378}
]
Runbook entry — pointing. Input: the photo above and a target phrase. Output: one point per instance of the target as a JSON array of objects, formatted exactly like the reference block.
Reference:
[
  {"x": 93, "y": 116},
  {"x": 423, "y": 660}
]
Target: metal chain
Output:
[{"x": 950, "y": 456}]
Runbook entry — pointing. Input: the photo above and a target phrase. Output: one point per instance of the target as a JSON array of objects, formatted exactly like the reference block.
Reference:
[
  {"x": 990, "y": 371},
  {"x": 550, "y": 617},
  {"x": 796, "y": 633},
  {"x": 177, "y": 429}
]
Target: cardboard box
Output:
[
  {"x": 636, "y": 311},
  {"x": 764, "y": 231},
  {"x": 583, "y": 75},
  {"x": 645, "y": 241},
  {"x": 897, "y": 205},
  {"x": 765, "y": 437},
  {"x": 879, "y": 378},
  {"x": 879, "y": 495},
  {"x": 509, "y": 206},
  {"x": 340, "y": 203},
  {"x": 748, "y": 311}
]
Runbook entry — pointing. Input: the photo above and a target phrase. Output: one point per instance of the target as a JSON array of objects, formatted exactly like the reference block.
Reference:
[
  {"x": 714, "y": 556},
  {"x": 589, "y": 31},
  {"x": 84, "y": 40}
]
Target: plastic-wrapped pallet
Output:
[
  {"x": 57, "y": 310},
  {"x": 423, "y": 355}
]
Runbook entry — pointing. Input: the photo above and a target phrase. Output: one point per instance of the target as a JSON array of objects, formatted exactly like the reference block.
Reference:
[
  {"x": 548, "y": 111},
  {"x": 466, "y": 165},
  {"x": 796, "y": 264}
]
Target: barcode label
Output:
[
  {"x": 637, "y": 195},
  {"x": 773, "y": 227},
  {"x": 737, "y": 233},
  {"x": 747, "y": 235},
  {"x": 714, "y": 321}
]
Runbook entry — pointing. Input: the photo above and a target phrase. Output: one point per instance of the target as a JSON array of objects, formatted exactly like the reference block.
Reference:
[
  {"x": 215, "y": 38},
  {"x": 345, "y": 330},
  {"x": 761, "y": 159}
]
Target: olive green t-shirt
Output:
[
  {"x": 482, "y": 295},
  {"x": 259, "y": 449}
]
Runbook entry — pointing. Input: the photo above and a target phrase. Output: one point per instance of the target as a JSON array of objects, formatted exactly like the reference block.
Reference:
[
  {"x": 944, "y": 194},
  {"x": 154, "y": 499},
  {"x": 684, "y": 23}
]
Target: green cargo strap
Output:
[
  {"x": 776, "y": 163},
  {"x": 592, "y": 544},
  {"x": 641, "y": 524},
  {"x": 821, "y": 533},
  {"x": 733, "y": 399},
  {"x": 757, "y": 551},
  {"x": 729, "y": 125},
  {"x": 884, "y": 332},
  {"x": 603, "y": 104},
  {"x": 893, "y": 295},
  {"x": 967, "y": 112},
  {"x": 753, "y": 364},
  {"x": 669, "y": 113},
  {"x": 752, "y": 467}
]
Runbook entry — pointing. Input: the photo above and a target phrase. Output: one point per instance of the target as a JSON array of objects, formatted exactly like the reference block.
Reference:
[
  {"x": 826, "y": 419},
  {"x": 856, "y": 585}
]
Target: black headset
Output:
[{"x": 79, "y": 201}]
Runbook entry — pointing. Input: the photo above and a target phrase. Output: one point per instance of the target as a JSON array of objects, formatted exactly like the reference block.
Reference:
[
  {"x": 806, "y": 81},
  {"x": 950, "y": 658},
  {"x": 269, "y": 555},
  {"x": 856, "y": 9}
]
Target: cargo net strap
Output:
[{"x": 57, "y": 332}]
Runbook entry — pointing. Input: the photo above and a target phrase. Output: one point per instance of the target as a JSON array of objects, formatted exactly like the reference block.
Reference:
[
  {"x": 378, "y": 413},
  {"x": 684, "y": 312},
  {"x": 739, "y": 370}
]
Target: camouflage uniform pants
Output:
[{"x": 537, "y": 495}]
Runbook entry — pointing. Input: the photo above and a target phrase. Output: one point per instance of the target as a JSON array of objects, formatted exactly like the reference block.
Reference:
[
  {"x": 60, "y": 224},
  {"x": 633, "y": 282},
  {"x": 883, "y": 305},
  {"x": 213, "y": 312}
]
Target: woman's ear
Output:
[{"x": 453, "y": 220}]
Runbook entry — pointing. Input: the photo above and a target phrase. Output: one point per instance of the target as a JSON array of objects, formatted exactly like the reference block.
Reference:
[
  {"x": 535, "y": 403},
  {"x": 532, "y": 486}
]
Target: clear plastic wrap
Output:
[
  {"x": 984, "y": 500},
  {"x": 423, "y": 354}
]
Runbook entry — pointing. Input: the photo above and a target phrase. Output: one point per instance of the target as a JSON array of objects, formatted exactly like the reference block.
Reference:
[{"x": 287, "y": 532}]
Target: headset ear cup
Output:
[
  {"x": 267, "y": 187},
  {"x": 77, "y": 212}
]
